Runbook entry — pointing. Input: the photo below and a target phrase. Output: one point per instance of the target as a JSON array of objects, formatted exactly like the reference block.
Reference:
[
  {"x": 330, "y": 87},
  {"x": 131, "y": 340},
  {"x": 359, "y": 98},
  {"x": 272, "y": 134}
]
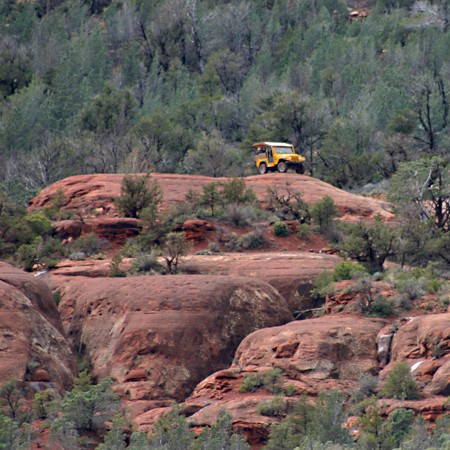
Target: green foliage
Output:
[
  {"x": 381, "y": 307},
  {"x": 11, "y": 399},
  {"x": 171, "y": 431},
  {"x": 115, "y": 439},
  {"x": 136, "y": 193},
  {"x": 274, "y": 407},
  {"x": 175, "y": 246},
  {"x": 221, "y": 436},
  {"x": 146, "y": 263},
  {"x": 401, "y": 420},
  {"x": 86, "y": 245},
  {"x": 400, "y": 384},
  {"x": 347, "y": 270},
  {"x": 43, "y": 404},
  {"x": 321, "y": 285},
  {"x": 238, "y": 215},
  {"x": 375, "y": 432},
  {"x": 88, "y": 406},
  {"x": 114, "y": 267},
  {"x": 251, "y": 383},
  {"x": 235, "y": 191},
  {"x": 370, "y": 244},
  {"x": 12, "y": 436},
  {"x": 273, "y": 380},
  {"x": 310, "y": 424},
  {"x": 253, "y": 239},
  {"x": 323, "y": 212},
  {"x": 280, "y": 229},
  {"x": 288, "y": 206},
  {"x": 211, "y": 197}
]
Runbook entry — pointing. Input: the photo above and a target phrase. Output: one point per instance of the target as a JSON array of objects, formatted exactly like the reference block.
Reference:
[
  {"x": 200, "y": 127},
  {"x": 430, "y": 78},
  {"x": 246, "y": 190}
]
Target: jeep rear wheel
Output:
[
  {"x": 282, "y": 167},
  {"x": 262, "y": 169},
  {"x": 300, "y": 169}
]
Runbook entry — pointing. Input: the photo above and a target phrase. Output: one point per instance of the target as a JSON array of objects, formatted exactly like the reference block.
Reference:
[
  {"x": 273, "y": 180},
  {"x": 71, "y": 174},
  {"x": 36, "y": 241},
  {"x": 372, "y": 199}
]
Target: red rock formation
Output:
[
  {"x": 93, "y": 195},
  {"x": 348, "y": 297},
  {"x": 291, "y": 273},
  {"x": 32, "y": 347},
  {"x": 113, "y": 229},
  {"x": 330, "y": 352},
  {"x": 424, "y": 344},
  {"x": 158, "y": 336}
]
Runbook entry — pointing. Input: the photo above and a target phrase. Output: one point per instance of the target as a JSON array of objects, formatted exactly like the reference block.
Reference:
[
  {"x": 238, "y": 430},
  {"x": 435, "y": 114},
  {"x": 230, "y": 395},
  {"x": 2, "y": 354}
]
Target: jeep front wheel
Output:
[
  {"x": 282, "y": 167},
  {"x": 262, "y": 169},
  {"x": 300, "y": 169}
]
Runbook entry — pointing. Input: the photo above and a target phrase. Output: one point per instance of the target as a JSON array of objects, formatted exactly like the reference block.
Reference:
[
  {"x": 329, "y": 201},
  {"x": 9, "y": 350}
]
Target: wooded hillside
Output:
[{"x": 186, "y": 86}]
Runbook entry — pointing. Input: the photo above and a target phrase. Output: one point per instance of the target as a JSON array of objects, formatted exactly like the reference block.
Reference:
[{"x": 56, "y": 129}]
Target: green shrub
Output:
[
  {"x": 400, "y": 384},
  {"x": 232, "y": 243},
  {"x": 235, "y": 191},
  {"x": 368, "y": 386},
  {"x": 281, "y": 229},
  {"x": 57, "y": 298},
  {"x": 381, "y": 307},
  {"x": 27, "y": 256},
  {"x": 146, "y": 263},
  {"x": 322, "y": 285},
  {"x": 238, "y": 215},
  {"x": 114, "y": 268},
  {"x": 88, "y": 245},
  {"x": 253, "y": 239},
  {"x": 401, "y": 421},
  {"x": 40, "y": 225},
  {"x": 290, "y": 390},
  {"x": 42, "y": 403},
  {"x": 303, "y": 230},
  {"x": 136, "y": 193},
  {"x": 323, "y": 213},
  {"x": 273, "y": 408},
  {"x": 273, "y": 380},
  {"x": 413, "y": 288},
  {"x": 288, "y": 206},
  {"x": 347, "y": 270},
  {"x": 251, "y": 383}
]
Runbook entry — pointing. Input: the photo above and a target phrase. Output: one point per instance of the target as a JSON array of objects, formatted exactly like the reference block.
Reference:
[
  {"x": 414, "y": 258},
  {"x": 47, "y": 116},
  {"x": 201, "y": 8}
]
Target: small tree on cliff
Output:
[
  {"x": 370, "y": 243},
  {"x": 175, "y": 246},
  {"x": 400, "y": 383},
  {"x": 136, "y": 193}
]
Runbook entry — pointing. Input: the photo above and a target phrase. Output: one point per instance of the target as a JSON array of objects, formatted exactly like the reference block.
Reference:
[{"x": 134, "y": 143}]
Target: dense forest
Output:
[{"x": 186, "y": 86}]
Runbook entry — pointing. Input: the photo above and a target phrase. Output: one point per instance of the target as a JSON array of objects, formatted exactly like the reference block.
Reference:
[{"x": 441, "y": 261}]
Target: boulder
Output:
[
  {"x": 291, "y": 273},
  {"x": 320, "y": 352},
  {"x": 424, "y": 344},
  {"x": 113, "y": 229},
  {"x": 35, "y": 290},
  {"x": 158, "y": 336},
  {"x": 32, "y": 347},
  {"x": 330, "y": 352}
]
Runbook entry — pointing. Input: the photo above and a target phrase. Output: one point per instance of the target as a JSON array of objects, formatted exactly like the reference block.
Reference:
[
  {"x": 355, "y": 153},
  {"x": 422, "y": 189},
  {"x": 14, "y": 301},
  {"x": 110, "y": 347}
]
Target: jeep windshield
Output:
[{"x": 284, "y": 150}]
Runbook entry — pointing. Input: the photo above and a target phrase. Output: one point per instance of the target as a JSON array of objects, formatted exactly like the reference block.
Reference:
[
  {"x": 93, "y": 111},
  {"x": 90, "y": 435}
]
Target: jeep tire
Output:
[
  {"x": 300, "y": 169},
  {"x": 262, "y": 169},
  {"x": 282, "y": 167}
]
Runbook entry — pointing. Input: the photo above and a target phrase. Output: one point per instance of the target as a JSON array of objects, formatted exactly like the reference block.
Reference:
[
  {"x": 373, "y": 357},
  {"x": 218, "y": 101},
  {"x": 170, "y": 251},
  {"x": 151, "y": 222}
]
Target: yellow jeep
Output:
[{"x": 272, "y": 156}]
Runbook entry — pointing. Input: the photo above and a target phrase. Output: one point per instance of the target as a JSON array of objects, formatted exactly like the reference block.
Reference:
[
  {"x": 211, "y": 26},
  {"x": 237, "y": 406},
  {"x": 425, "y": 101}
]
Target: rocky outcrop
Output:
[
  {"x": 353, "y": 297},
  {"x": 113, "y": 229},
  {"x": 291, "y": 273},
  {"x": 32, "y": 347},
  {"x": 158, "y": 336},
  {"x": 93, "y": 195},
  {"x": 331, "y": 352},
  {"x": 319, "y": 353},
  {"x": 424, "y": 344}
]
